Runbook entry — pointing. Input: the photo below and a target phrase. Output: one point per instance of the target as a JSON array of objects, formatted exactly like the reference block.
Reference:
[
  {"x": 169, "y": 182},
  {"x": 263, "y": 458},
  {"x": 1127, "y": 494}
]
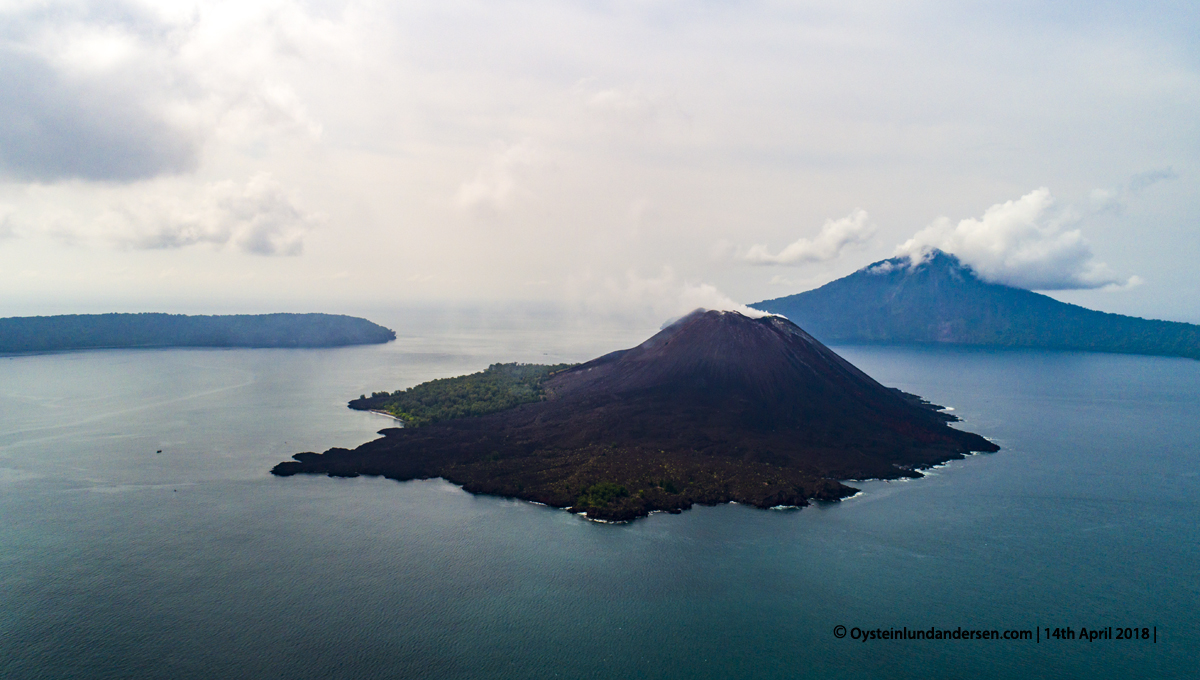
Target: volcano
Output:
[
  {"x": 939, "y": 300},
  {"x": 716, "y": 407}
]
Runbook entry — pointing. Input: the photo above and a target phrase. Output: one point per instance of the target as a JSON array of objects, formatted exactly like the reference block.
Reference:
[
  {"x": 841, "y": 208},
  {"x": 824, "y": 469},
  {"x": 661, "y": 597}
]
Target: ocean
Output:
[{"x": 118, "y": 561}]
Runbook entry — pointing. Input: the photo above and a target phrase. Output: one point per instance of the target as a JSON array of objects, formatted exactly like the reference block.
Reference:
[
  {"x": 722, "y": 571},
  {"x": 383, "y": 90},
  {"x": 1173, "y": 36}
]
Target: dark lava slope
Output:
[{"x": 717, "y": 407}]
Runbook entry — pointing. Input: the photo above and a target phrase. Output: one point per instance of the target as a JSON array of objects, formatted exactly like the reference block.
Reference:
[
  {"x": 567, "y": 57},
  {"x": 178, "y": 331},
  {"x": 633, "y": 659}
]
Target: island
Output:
[
  {"x": 715, "y": 408},
  {"x": 105, "y": 331},
  {"x": 940, "y": 300}
]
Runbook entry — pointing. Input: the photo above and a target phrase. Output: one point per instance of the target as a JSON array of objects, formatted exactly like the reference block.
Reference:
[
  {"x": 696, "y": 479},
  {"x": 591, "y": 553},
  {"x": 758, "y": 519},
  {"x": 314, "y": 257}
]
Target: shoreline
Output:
[{"x": 386, "y": 414}]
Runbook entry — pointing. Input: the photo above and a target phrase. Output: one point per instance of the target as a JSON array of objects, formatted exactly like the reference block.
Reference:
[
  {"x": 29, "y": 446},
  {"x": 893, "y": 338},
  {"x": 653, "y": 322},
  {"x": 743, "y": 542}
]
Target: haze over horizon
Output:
[{"x": 650, "y": 157}]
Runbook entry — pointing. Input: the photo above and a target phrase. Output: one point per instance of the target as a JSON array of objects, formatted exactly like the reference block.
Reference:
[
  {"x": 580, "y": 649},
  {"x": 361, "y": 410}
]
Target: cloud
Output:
[
  {"x": 494, "y": 185},
  {"x": 1027, "y": 243},
  {"x": 55, "y": 126},
  {"x": 715, "y": 113},
  {"x": 7, "y": 223},
  {"x": 656, "y": 298},
  {"x": 834, "y": 237},
  {"x": 121, "y": 92},
  {"x": 1144, "y": 180},
  {"x": 259, "y": 217},
  {"x": 1114, "y": 200},
  {"x": 621, "y": 102},
  {"x": 621, "y": 105}
]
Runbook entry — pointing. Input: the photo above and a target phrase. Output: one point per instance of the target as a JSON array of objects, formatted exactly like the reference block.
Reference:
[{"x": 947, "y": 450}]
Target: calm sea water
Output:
[{"x": 120, "y": 562}]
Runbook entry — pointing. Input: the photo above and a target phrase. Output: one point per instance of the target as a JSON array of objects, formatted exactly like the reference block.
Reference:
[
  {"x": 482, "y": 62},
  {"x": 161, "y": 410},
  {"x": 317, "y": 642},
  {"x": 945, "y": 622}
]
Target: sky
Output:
[{"x": 637, "y": 158}]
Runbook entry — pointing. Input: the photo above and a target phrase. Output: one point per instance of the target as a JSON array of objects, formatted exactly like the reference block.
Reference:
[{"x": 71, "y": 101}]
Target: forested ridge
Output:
[
  {"x": 941, "y": 300},
  {"x": 94, "y": 331}
]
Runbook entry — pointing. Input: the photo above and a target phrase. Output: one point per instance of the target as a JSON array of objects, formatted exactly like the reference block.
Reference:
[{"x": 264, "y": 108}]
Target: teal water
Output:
[{"x": 120, "y": 562}]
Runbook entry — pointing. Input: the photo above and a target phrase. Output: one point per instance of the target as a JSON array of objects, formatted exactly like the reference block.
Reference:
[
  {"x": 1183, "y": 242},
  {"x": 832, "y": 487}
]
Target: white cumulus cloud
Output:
[
  {"x": 834, "y": 237},
  {"x": 1028, "y": 243}
]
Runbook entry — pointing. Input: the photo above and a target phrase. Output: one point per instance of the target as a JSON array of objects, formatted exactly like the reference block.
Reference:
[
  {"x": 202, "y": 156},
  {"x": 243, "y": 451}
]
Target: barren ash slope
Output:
[{"x": 717, "y": 407}]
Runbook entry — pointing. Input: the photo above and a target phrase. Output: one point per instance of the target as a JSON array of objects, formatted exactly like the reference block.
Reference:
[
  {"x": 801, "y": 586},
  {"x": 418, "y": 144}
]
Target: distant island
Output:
[
  {"x": 717, "y": 407},
  {"x": 941, "y": 300},
  {"x": 96, "y": 331}
]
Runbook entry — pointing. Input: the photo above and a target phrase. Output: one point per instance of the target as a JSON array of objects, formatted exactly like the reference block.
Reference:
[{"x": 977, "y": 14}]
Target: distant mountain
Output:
[
  {"x": 941, "y": 300},
  {"x": 717, "y": 407},
  {"x": 94, "y": 331}
]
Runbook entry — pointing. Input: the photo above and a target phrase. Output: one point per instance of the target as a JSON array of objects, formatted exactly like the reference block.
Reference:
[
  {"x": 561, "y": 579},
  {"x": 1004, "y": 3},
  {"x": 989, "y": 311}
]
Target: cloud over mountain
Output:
[{"x": 1027, "y": 243}]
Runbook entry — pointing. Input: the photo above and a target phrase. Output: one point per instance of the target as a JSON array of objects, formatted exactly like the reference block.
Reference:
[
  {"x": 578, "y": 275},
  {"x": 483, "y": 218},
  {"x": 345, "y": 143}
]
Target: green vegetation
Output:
[
  {"x": 95, "y": 331},
  {"x": 500, "y": 387},
  {"x": 601, "y": 494}
]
